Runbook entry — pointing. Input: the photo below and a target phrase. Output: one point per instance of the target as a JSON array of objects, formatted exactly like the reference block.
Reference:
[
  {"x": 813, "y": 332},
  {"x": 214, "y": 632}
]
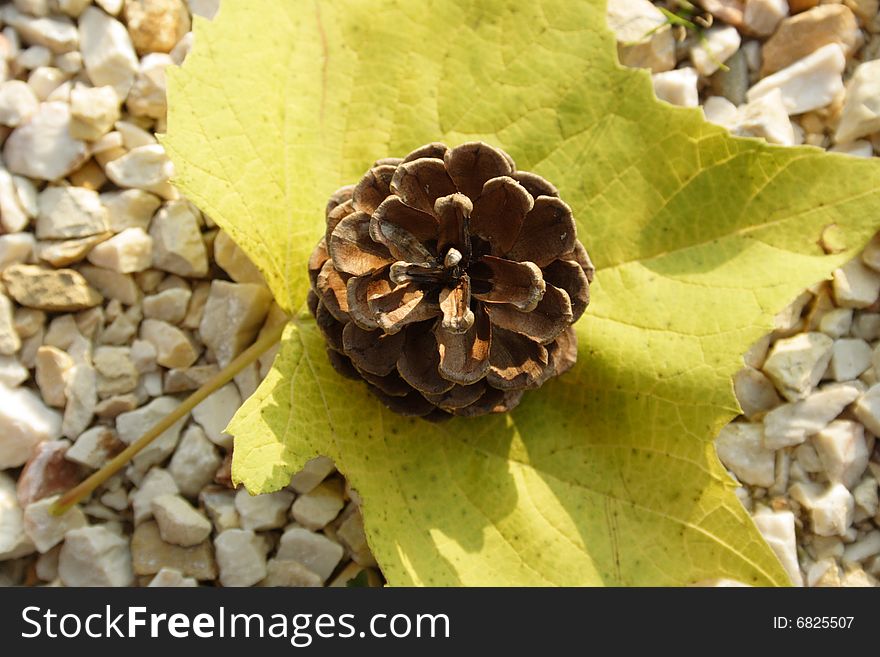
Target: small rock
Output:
[
  {"x": 807, "y": 32},
  {"x": 765, "y": 117},
  {"x": 41, "y": 146},
  {"x": 863, "y": 549},
  {"x": 10, "y": 342},
  {"x": 53, "y": 290},
  {"x": 644, "y": 37},
  {"x": 52, "y": 368},
  {"x": 95, "y": 447},
  {"x": 129, "y": 208},
  {"x": 831, "y": 509},
  {"x": 15, "y": 248},
  {"x": 156, "y": 25},
  {"x": 762, "y": 17},
  {"x": 94, "y": 111},
  {"x": 178, "y": 245},
  {"x": 205, "y": 8},
  {"x": 47, "y": 530},
  {"x": 867, "y": 409},
  {"x": 133, "y": 425},
  {"x": 117, "y": 373},
  {"x": 169, "y": 577},
  {"x": 108, "y": 55},
  {"x": 157, "y": 482},
  {"x": 351, "y": 533},
  {"x": 314, "y": 551},
  {"x": 173, "y": 348},
  {"x": 47, "y": 473},
  {"x": 14, "y": 542},
  {"x": 67, "y": 252},
  {"x": 68, "y": 212},
  {"x": 796, "y": 364},
  {"x": 194, "y": 462},
  {"x": 147, "y": 168},
  {"x": 133, "y": 136},
  {"x": 849, "y": 358},
  {"x": 110, "y": 408},
  {"x": 215, "y": 413},
  {"x": 842, "y": 449},
  {"x": 233, "y": 315},
  {"x": 866, "y": 496},
  {"x": 858, "y": 148},
  {"x": 777, "y": 528},
  {"x": 25, "y": 422},
  {"x": 12, "y": 373},
  {"x": 741, "y": 449},
  {"x": 861, "y": 109},
  {"x": 241, "y": 557},
  {"x": 168, "y": 305},
  {"x": 129, "y": 251},
  {"x": 855, "y": 285},
  {"x": 220, "y": 505},
  {"x": 678, "y": 87},
  {"x": 95, "y": 556},
  {"x": 112, "y": 284},
  {"x": 261, "y": 512},
  {"x": 809, "y": 83},
  {"x": 792, "y": 424},
  {"x": 313, "y": 473},
  {"x": 317, "y": 508},
  {"x": 836, "y": 323},
  {"x": 150, "y": 554},
  {"x": 147, "y": 96},
  {"x": 718, "y": 44},
  {"x": 190, "y": 378},
  {"x": 179, "y": 523},
  {"x": 287, "y": 573},
  {"x": 81, "y": 391},
  {"x": 231, "y": 259},
  {"x": 17, "y": 102},
  {"x": 56, "y": 33}
]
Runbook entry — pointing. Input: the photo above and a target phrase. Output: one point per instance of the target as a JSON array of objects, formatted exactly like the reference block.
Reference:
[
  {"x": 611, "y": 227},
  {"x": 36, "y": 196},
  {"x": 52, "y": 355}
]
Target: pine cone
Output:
[{"x": 449, "y": 281}]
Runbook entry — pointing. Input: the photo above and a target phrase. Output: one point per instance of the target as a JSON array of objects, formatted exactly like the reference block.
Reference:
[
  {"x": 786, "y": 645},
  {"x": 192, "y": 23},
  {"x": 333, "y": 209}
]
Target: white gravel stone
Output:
[
  {"x": 112, "y": 284},
  {"x": 69, "y": 212},
  {"x": 53, "y": 364},
  {"x": 18, "y": 102},
  {"x": 261, "y": 512},
  {"x": 777, "y": 528},
  {"x": 836, "y": 323},
  {"x": 849, "y": 358},
  {"x": 205, "y": 8},
  {"x": 134, "y": 424},
  {"x": 791, "y": 424},
  {"x": 831, "y": 509},
  {"x": 809, "y": 84},
  {"x": 320, "y": 506},
  {"x": 215, "y": 413},
  {"x": 863, "y": 549},
  {"x": 95, "y": 556},
  {"x": 313, "y": 473},
  {"x": 168, "y": 305},
  {"x": 108, "y": 55},
  {"x": 233, "y": 315},
  {"x": 46, "y": 530},
  {"x": 179, "y": 523},
  {"x": 796, "y": 364},
  {"x": 12, "y": 372},
  {"x": 25, "y": 421},
  {"x": 147, "y": 168},
  {"x": 14, "y": 542},
  {"x": 81, "y": 391},
  {"x": 220, "y": 505},
  {"x": 719, "y": 110},
  {"x": 718, "y": 44},
  {"x": 855, "y": 285},
  {"x": 231, "y": 259},
  {"x": 129, "y": 208},
  {"x": 147, "y": 95},
  {"x": 117, "y": 373},
  {"x": 314, "y": 551},
  {"x": 13, "y": 217},
  {"x": 42, "y": 148},
  {"x": 867, "y": 409},
  {"x": 843, "y": 451},
  {"x": 94, "y": 447},
  {"x": 173, "y": 348},
  {"x": 678, "y": 87},
  {"x": 858, "y": 148},
  {"x": 10, "y": 342},
  {"x": 156, "y": 482},
  {"x": 58, "y": 33},
  {"x": 15, "y": 248},
  {"x": 194, "y": 462},
  {"x": 287, "y": 573},
  {"x": 94, "y": 111},
  {"x": 741, "y": 449},
  {"x": 644, "y": 36},
  {"x": 129, "y": 251},
  {"x": 241, "y": 557},
  {"x": 861, "y": 109},
  {"x": 761, "y": 17},
  {"x": 178, "y": 245},
  {"x": 170, "y": 577},
  {"x": 765, "y": 117}
]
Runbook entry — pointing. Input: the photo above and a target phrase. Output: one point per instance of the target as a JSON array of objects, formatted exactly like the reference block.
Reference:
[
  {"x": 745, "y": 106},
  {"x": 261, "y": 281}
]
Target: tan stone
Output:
[
  {"x": 61, "y": 253},
  {"x": 150, "y": 554},
  {"x": 59, "y": 290},
  {"x": 177, "y": 243},
  {"x": 234, "y": 262},
  {"x": 233, "y": 315},
  {"x": 52, "y": 366},
  {"x": 173, "y": 348},
  {"x": 156, "y": 25},
  {"x": 116, "y": 372},
  {"x": 802, "y": 34}
]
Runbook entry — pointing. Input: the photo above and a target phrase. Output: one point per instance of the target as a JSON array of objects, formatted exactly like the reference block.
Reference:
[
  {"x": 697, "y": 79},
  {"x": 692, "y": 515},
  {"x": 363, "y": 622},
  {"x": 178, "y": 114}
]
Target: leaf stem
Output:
[{"x": 220, "y": 379}]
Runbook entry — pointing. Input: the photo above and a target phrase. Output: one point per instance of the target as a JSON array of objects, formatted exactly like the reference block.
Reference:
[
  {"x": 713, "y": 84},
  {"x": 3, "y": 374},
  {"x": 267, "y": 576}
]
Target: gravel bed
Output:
[{"x": 118, "y": 298}]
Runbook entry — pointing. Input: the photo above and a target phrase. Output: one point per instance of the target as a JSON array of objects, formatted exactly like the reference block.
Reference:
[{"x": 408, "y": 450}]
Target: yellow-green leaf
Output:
[{"x": 608, "y": 474}]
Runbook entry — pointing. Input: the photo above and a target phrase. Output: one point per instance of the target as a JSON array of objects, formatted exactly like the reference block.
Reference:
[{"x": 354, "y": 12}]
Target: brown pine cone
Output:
[{"x": 449, "y": 281}]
